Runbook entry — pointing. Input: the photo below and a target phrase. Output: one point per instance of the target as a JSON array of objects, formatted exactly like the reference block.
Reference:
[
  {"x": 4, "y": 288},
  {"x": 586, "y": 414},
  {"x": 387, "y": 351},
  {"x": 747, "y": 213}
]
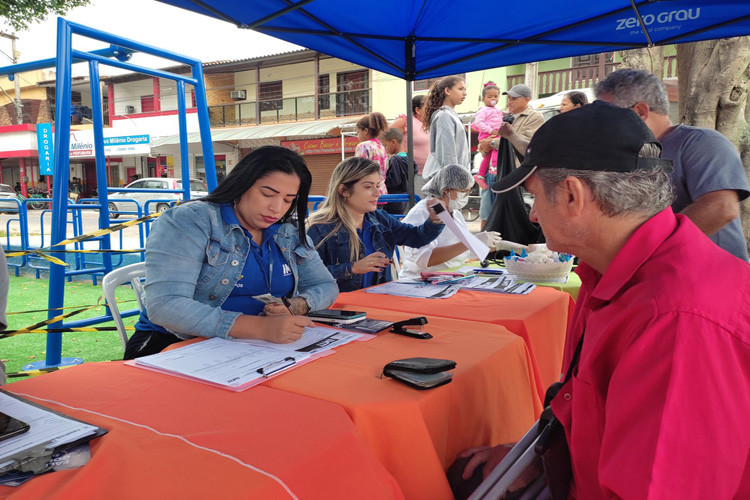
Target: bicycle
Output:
[{"x": 37, "y": 193}]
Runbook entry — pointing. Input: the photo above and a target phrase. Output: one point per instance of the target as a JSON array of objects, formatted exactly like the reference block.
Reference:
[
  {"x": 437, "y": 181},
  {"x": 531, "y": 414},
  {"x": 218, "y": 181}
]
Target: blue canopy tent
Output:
[{"x": 419, "y": 39}]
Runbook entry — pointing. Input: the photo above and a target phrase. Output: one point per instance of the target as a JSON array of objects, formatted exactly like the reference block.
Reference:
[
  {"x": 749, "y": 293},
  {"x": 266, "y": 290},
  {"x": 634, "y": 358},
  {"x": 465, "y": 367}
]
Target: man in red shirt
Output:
[{"x": 657, "y": 406}]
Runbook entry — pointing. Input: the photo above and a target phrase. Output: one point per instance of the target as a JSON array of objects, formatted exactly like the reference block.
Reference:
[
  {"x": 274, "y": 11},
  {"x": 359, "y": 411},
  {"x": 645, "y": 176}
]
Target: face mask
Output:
[{"x": 460, "y": 202}]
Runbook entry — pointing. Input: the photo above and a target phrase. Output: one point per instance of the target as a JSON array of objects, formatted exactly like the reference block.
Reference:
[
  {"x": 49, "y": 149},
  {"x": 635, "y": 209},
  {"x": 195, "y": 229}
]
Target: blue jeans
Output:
[{"x": 487, "y": 197}]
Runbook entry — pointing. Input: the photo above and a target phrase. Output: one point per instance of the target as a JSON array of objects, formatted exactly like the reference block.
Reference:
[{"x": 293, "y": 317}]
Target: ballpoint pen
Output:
[{"x": 288, "y": 305}]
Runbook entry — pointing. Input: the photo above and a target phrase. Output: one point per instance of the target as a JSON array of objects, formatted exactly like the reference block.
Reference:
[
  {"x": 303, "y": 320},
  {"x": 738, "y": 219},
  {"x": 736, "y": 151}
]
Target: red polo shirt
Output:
[{"x": 660, "y": 403}]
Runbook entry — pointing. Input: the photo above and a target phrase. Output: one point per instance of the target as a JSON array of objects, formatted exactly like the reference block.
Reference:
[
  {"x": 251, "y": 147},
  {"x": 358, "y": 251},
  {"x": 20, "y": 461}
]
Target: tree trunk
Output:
[
  {"x": 649, "y": 59},
  {"x": 713, "y": 88}
]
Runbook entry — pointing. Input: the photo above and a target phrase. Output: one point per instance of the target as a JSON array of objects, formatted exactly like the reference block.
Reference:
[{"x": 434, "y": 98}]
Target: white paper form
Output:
[
  {"x": 313, "y": 340},
  {"x": 420, "y": 291},
  {"x": 45, "y": 428},
  {"x": 224, "y": 362},
  {"x": 489, "y": 283},
  {"x": 462, "y": 233}
]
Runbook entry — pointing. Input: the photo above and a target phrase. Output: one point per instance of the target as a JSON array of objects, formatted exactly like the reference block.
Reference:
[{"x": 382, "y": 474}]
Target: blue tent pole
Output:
[
  {"x": 410, "y": 70},
  {"x": 101, "y": 164},
  {"x": 182, "y": 120},
  {"x": 205, "y": 127},
  {"x": 60, "y": 192}
]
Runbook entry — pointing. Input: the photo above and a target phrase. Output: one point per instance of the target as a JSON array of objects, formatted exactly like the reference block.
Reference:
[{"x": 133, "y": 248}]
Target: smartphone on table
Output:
[
  {"x": 11, "y": 427},
  {"x": 336, "y": 316}
]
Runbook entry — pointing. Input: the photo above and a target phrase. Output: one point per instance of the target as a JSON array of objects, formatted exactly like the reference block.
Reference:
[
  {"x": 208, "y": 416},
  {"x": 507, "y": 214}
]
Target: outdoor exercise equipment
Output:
[{"x": 120, "y": 49}]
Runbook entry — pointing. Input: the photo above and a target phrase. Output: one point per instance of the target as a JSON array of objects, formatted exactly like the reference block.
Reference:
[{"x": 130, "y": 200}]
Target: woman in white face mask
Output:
[{"x": 451, "y": 184}]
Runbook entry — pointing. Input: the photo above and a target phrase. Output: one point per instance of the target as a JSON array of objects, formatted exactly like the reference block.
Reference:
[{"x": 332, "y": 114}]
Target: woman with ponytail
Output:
[{"x": 448, "y": 142}]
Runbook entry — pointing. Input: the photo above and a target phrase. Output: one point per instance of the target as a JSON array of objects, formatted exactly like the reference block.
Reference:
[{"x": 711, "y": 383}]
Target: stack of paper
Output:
[{"x": 240, "y": 364}]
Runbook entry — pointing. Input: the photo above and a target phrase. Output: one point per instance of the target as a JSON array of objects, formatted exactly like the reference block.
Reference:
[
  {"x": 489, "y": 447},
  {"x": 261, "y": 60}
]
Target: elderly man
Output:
[
  {"x": 658, "y": 393},
  {"x": 708, "y": 177},
  {"x": 526, "y": 121}
]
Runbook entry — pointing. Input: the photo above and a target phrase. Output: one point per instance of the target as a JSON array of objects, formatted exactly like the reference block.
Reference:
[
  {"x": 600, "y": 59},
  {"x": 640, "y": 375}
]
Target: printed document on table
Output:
[
  {"x": 416, "y": 290},
  {"x": 223, "y": 362},
  {"x": 313, "y": 340},
  {"x": 46, "y": 428}
]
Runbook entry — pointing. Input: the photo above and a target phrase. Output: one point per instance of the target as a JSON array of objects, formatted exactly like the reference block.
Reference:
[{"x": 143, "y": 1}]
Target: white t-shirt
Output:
[{"x": 416, "y": 259}]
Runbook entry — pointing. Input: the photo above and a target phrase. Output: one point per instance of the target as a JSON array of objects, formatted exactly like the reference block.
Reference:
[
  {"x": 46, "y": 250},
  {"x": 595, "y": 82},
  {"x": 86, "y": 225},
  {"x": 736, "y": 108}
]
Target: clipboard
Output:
[{"x": 36, "y": 459}]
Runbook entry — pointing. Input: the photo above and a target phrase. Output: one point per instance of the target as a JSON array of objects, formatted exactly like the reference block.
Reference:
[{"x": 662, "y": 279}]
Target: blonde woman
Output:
[{"x": 354, "y": 239}]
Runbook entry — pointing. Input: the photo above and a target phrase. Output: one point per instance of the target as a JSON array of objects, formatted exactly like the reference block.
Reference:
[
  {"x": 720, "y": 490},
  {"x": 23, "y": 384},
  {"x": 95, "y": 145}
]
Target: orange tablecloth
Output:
[
  {"x": 417, "y": 434},
  {"x": 539, "y": 318},
  {"x": 173, "y": 438}
]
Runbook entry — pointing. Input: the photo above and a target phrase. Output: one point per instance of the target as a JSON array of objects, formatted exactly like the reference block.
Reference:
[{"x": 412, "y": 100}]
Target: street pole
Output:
[
  {"x": 17, "y": 83},
  {"x": 19, "y": 109}
]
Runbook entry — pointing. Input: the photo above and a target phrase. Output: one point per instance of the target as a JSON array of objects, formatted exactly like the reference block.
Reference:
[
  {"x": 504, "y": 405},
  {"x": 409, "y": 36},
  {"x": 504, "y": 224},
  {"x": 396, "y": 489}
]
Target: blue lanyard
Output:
[{"x": 267, "y": 275}]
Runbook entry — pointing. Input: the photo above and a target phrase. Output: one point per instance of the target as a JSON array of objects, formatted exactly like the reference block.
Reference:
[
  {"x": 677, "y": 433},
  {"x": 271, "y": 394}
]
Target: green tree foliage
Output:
[{"x": 20, "y": 13}]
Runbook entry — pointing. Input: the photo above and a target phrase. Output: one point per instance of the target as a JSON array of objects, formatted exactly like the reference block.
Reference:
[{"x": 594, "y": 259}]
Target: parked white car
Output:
[
  {"x": 7, "y": 197},
  {"x": 197, "y": 190}
]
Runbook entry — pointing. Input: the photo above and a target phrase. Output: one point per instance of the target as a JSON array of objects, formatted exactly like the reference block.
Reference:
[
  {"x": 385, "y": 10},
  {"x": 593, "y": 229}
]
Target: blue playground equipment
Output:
[{"x": 121, "y": 49}]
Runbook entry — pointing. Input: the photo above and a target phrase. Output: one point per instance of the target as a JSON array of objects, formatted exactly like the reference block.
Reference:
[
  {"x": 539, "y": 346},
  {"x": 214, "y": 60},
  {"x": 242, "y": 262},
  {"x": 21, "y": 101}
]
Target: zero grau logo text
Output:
[{"x": 661, "y": 18}]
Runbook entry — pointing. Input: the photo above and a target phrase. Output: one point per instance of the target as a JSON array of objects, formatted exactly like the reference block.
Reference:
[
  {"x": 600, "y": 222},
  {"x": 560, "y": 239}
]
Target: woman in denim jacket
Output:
[
  {"x": 214, "y": 266},
  {"x": 354, "y": 238}
]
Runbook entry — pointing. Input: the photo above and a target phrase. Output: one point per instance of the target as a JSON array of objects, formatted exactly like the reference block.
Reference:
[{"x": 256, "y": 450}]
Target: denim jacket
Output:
[
  {"x": 386, "y": 232},
  {"x": 194, "y": 259}
]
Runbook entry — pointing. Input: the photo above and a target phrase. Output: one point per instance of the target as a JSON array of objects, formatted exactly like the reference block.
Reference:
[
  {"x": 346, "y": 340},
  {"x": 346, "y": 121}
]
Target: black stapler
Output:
[{"x": 400, "y": 328}]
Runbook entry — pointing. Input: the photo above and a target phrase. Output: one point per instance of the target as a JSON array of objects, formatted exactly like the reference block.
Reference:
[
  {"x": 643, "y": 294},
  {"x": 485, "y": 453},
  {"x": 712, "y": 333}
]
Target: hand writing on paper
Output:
[
  {"x": 374, "y": 262},
  {"x": 284, "y": 328}
]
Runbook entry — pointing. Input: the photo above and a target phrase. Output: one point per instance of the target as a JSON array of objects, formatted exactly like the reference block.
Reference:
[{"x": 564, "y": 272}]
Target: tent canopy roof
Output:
[{"x": 418, "y": 39}]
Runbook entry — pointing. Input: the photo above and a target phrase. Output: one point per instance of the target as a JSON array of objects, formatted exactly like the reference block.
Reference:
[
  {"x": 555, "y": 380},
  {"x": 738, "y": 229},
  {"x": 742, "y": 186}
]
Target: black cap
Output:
[{"x": 596, "y": 136}]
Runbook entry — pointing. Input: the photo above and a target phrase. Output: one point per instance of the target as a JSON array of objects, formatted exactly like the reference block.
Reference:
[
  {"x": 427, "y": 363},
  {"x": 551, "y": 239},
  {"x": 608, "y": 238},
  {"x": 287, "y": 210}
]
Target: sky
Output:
[{"x": 150, "y": 22}]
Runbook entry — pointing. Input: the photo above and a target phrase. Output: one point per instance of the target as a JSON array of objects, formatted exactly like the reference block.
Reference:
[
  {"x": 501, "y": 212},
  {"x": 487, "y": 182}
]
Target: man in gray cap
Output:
[{"x": 526, "y": 121}]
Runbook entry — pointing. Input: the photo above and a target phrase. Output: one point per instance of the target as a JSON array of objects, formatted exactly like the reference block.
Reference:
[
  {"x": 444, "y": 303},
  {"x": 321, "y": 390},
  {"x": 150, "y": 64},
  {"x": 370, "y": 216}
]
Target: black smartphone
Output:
[
  {"x": 11, "y": 427},
  {"x": 336, "y": 316}
]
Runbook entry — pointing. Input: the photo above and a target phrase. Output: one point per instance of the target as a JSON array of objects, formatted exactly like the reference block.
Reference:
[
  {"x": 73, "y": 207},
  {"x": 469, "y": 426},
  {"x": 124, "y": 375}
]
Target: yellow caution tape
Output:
[
  {"x": 42, "y": 252},
  {"x": 61, "y": 308}
]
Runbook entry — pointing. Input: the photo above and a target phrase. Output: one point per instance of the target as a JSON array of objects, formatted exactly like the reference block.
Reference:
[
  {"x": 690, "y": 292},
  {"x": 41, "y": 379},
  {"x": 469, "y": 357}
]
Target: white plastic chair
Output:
[{"x": 128, "y": 274}]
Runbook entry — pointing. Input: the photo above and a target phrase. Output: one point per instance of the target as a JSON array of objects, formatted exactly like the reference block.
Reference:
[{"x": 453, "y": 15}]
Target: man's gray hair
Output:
[
  {"x": 646, "y": 192},
  {"x": 629, "y": 86}
]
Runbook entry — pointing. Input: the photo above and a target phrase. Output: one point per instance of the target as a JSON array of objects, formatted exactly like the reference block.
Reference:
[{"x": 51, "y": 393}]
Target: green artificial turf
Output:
[{"x": 27, "y": 293}]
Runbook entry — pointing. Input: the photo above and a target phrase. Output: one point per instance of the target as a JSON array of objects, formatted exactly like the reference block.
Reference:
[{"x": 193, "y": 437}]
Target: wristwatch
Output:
[{"x": 495, "y": 143}]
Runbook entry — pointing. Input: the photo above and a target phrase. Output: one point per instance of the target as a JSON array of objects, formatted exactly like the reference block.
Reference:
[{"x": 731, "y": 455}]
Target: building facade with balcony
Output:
[{"x": 301, "y": 99}]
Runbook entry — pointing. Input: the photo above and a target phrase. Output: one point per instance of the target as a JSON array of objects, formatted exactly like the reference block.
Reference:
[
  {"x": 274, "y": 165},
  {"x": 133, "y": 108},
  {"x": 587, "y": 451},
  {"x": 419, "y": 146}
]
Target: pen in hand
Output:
[{"x": 288, "y": 305}]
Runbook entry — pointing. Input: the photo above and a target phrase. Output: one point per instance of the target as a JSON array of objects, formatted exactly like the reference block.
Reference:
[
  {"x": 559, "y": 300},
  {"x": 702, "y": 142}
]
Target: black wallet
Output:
[
  {"x": 420, "y": 380},
  {"x": 420, "y": 373},
  {"x": 421, "y": 365}
]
